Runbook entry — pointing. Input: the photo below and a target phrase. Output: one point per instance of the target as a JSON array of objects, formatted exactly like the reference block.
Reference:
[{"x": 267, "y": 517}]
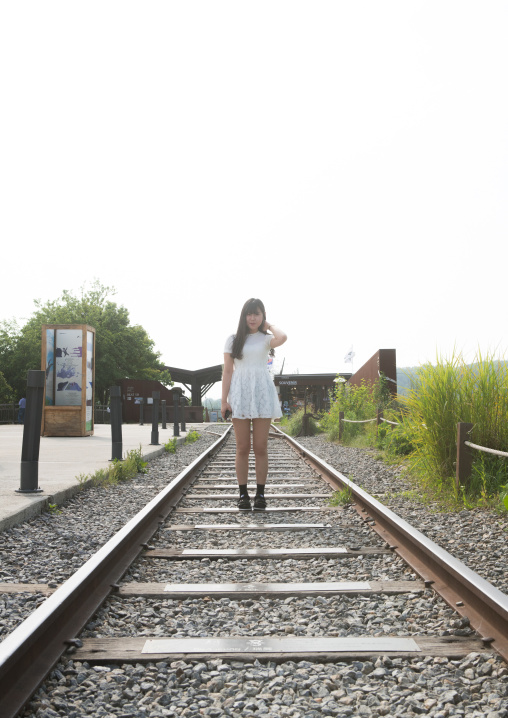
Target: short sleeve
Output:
[
  {"x": 269, "y": 338},
  {"x": 229, "y": 344}
]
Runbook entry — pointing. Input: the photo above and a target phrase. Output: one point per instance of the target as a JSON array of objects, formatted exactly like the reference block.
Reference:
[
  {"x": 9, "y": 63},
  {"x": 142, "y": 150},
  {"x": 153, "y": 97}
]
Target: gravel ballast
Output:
[
  {"x": 478, "y": 537},
  {"x": 51, "y": 547},
  {"x": 474, "y": 686}
]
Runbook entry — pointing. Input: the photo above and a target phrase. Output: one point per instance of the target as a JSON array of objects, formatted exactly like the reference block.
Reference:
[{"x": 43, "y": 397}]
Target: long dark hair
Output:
[{"x": 250, "y": 306}]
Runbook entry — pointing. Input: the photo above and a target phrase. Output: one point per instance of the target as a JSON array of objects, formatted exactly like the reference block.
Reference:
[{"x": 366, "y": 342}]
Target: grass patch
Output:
[
  {"x": 191, "y": 437},
  {"x": 118, "y": 471},
  {"x": 342, "y": 498},
  {"x": 170, "y": 446}
]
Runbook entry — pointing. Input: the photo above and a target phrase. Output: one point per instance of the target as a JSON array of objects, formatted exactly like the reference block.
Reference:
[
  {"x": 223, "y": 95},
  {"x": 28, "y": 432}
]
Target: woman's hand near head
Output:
[{"x": 279, "y": 337}]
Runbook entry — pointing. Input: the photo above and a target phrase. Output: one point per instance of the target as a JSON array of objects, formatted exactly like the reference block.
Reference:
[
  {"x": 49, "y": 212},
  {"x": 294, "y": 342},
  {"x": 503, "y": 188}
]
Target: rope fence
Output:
[
  {"x": 379, "y": 418},
  {"x": 464, "y": 464},
  {"x": 484, "y": 448}
]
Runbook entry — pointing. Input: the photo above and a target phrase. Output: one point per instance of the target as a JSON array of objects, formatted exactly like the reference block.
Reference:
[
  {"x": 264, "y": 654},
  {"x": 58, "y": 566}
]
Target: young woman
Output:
[{"x": 249, "y": 394}]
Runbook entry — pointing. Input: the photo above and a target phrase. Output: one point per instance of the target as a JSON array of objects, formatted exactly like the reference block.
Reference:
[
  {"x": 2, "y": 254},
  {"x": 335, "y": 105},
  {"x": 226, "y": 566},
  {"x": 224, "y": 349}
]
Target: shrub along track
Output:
[{"x": 302, "y": 581}]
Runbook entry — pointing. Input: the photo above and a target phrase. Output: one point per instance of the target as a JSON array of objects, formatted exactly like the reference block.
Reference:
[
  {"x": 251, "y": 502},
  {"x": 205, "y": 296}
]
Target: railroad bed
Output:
[{"x": 299, "y": 610}]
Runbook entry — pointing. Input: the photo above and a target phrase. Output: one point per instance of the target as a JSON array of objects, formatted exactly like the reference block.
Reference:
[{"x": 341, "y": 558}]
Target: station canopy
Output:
[{"x": 197, "y": 381}]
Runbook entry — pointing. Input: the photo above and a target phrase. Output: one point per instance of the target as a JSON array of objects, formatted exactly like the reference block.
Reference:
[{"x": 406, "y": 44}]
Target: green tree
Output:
[
  {"x": 122, "y": 351},
  {"x": 6, "y": 394}
]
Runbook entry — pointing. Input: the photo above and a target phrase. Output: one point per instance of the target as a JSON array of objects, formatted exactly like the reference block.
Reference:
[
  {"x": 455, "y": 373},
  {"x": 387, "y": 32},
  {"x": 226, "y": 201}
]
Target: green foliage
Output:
[
  {"x": 170, "y": 446},
  {"x": 357, "y": 403},
  {"x": 452, "y": 392},
  {"x": 132, "y": 465},
  {"x": 341, "y": 498},
  {"x": 488, "y": 475},
  {"x": 6, "y": 393},
  {"x": 53, "y": 509},
  {"x": 294, "y": 424},
  {"x": 122, "y": 351},
  {"x": 396, "y": 441},
  {"x": 504, "y": 497},
  {"x": 191, "y": 437}
]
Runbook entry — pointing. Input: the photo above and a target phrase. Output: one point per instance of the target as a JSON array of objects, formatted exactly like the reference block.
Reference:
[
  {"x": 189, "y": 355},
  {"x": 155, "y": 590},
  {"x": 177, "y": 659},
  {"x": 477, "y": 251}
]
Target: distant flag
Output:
[{"x": 348, "y": 359}]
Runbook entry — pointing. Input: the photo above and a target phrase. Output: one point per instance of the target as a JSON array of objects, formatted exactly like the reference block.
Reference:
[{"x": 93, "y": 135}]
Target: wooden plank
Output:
[
  {"x": 219, "y": 497},
  {"x": 272, "y": 590},
  {"x": 250, "y": 527},
  {"x": 127, "y": 650},
  {"x": 251, "y": 473},
  {"x": 251, "y": 553},
  {"x": 207, "y": 487},
  {"x": 234, "y": 510},
  {"x": 26, "y": 588}
]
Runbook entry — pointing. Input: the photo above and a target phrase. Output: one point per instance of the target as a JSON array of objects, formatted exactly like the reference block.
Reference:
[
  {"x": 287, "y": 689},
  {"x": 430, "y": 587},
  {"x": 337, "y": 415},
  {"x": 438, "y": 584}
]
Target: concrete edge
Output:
[{"x": 39, "y": 503}]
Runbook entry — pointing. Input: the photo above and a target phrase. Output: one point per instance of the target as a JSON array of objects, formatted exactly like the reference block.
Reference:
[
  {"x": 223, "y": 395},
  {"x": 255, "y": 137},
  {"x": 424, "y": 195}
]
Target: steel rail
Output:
[
  {"x": 465, "y": 591},
  {"x": 29, "y": 653}
]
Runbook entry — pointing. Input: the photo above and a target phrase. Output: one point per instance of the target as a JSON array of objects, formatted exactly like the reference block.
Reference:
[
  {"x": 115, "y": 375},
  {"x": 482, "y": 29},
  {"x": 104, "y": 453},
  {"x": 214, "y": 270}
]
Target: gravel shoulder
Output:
[{"x": 478, "y": 537}]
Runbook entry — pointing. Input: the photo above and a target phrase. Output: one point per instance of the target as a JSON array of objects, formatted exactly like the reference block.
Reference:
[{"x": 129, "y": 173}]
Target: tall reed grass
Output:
[{"x": 449, "y": 392}]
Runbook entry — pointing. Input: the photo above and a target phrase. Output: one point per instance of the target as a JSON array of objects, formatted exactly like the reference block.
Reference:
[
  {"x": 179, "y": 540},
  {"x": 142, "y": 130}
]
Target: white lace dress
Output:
[{"x": 252, "y": 393}]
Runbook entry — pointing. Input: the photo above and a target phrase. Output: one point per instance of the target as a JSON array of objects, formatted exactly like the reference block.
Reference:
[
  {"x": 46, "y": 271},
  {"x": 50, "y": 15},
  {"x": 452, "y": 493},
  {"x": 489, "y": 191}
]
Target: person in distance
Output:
[{"x": 249, "y": 395}]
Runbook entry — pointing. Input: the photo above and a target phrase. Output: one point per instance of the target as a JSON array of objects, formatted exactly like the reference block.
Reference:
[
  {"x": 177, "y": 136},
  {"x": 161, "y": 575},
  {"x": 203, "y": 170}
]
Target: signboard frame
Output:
[{"x": 68, "y": 358}]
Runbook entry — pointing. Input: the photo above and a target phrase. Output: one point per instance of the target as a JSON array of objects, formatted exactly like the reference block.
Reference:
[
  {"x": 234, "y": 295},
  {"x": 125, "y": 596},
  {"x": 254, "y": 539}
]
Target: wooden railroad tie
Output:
[
  {"x": 270, "y": 590},
  {"x": 269, "y": 509},
  {"x": 310, "y": 648}
]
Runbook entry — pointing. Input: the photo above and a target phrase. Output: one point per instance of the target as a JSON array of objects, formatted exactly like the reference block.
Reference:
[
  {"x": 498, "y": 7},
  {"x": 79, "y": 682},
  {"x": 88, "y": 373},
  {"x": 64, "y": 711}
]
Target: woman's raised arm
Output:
[{"x": 279, "y": 337}]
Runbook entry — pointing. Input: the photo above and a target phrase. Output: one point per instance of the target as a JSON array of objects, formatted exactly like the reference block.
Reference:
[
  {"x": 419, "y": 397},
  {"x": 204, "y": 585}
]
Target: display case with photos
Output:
[{"x": 68, "y": 358}]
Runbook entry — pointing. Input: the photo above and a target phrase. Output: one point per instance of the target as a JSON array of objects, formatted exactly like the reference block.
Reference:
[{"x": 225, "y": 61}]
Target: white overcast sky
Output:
[{"x": 346, "y": 162}]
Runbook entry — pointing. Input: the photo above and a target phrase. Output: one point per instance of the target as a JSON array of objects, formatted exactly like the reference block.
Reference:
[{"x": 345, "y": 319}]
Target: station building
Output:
[
  {"x": 318, "y": 389},
  {"x": 132, "y": 390}
]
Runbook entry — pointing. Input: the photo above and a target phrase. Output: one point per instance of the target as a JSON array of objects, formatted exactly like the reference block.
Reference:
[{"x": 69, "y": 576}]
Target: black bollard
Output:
[
  {"x": 176, "y": 402},
  {"x": 115, "y": 392},
  {"x": 141, "y": 402},
  {"x": 29, "y": 483},
  {"x": 154, "y": 441},
  {"x": 164, "y": 417},
  {"x": 183, "y": 404}
]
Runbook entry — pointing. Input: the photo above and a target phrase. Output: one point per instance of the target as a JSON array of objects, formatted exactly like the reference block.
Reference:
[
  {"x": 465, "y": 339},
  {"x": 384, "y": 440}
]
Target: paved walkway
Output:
[{"x": 61, "y": 460}]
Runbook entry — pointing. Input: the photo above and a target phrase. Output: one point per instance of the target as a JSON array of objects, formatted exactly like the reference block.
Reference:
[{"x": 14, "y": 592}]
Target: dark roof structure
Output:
[{"x": 197, "y": 381}]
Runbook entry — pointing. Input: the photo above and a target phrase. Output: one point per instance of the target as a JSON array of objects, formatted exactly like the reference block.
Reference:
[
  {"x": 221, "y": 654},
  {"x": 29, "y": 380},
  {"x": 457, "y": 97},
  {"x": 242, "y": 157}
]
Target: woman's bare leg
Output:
[
  {"x": 260, "y": 430},
  {"x": 242, "y": 434}
]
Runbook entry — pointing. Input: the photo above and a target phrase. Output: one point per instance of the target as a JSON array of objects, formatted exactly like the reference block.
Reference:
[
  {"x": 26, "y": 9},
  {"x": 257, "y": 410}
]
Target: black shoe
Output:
[
  {"x": 259, "y": 503},
  {"x": 244, "y": 503}
]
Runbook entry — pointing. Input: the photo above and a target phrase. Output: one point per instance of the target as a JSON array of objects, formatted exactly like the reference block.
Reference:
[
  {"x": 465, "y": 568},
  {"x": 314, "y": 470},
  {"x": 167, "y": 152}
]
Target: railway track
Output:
[{"x": 301, "y": 581}]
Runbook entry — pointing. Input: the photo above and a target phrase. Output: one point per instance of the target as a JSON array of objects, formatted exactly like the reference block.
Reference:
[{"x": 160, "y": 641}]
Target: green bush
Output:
[
  {"x": 170, "y": 446},
  {"x": 294, "y": 424},
  {"x": 191, "y": 437},
  {"x": 395, "y": 440},
  {"x": 357, "y": 403}
]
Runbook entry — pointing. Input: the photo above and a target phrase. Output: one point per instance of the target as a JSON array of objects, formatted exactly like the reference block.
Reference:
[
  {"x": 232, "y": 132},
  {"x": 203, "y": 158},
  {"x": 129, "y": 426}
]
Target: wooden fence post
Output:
[
  {"x": 464, "y": 454},
  {"x": 341, "y": 424},
  {"x": 379, "y": 417}
]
